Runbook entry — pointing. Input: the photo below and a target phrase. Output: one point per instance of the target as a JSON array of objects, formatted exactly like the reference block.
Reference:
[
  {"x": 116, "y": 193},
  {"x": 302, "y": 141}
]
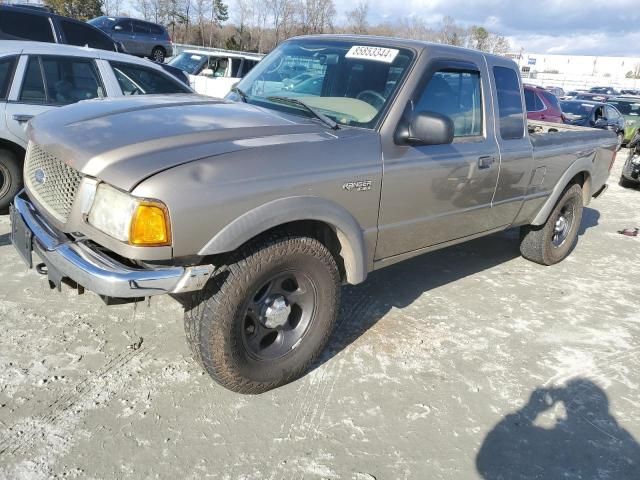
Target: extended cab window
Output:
[
  {"x": 457, "y": 95},
  {"x": 137, "y": 80},
  {"x": 509, "y": 103},
  {"x": 7, "y": 66},
  {"x": 26, "y": 26}
]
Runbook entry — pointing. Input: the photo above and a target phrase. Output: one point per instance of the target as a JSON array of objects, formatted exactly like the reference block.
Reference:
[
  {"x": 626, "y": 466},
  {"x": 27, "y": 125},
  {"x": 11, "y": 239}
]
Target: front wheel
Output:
[
  {"x": 265, "y": 317},
  {"x": 552, "y": 242},
  {"x": 626, "y": 183},
  {"x": 10, "y": 178}
]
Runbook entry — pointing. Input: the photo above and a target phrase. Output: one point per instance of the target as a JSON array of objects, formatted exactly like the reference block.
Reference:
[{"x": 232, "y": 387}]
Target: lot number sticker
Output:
[{"x": 378, "y": 54}]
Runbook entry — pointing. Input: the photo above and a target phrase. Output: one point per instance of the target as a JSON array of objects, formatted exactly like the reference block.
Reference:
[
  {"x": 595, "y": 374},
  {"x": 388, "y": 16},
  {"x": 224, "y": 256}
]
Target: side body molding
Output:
[
  {"x": 291, "y": 209},
  {"x": 583, "y": 165}
]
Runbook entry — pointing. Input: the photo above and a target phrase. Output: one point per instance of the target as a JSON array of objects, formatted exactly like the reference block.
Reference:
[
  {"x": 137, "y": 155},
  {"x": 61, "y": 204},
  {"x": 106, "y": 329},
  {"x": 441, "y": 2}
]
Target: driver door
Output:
[{"x": 436, "y": 193}]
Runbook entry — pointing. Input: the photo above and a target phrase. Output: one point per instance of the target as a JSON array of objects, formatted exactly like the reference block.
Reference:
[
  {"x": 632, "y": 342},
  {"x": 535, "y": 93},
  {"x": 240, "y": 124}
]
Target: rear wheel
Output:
[
  {"x": 552, "y": 242},
  {"x": 158, "y": 54},
  {"x": 264, "y": 318},
  {"x": 626, "y": 183},
  {"x": 10, "y": 178}
]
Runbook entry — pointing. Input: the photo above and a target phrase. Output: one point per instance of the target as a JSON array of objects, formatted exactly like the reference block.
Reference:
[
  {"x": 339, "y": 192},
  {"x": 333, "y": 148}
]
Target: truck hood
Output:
[{"x": 124, "y": 141}]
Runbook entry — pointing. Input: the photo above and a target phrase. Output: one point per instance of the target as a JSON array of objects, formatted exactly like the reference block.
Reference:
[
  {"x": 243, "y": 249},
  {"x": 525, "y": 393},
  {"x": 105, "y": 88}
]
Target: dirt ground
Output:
[{"x": 465, "y": 363}]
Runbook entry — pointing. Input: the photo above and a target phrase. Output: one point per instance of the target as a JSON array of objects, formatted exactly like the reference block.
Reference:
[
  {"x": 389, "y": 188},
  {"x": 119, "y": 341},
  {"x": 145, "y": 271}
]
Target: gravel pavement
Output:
[{"x": 468, "y": 363}]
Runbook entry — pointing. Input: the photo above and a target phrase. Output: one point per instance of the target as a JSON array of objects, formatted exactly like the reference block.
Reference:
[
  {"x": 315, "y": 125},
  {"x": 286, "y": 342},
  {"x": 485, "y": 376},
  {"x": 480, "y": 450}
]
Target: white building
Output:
[{"x": 578, "y": 71}]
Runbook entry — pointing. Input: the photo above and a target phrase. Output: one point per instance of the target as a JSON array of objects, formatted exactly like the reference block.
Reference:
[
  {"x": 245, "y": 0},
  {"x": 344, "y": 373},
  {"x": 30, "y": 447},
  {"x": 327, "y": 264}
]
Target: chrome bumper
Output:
[{"x": 94, "y": 270}]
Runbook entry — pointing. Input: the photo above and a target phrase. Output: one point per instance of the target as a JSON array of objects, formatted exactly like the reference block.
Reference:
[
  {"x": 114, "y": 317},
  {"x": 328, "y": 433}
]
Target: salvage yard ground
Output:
[{"x": 466, "y": 363}]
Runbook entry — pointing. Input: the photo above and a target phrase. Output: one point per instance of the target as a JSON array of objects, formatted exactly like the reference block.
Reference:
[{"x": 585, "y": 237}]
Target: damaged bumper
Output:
[{"x": 90, "y": 268}]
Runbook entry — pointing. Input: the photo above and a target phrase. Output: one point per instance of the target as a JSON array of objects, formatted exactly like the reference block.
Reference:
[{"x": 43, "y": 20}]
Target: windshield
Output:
[
  {"x": 350, "y": 83},
  {"x": 100, "y": 22},
  {"x": 627, "y": 108},
  {"x": 189, "y": 62},
  {"x": 576, "y": 110}
]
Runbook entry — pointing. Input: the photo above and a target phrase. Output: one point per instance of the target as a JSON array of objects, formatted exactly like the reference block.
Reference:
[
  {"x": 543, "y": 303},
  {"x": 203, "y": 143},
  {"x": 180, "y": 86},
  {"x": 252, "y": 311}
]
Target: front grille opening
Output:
[{"x": 52, "y": 182}]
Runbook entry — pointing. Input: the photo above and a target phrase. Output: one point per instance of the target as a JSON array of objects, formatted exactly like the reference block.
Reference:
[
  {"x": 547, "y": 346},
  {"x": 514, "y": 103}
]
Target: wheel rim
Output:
[
  {"x": 278, "y": 314},
  {"x": 5, "y": 180},
  {"x": 158, "y": 56},
  {"x": 563, "y": 225}
]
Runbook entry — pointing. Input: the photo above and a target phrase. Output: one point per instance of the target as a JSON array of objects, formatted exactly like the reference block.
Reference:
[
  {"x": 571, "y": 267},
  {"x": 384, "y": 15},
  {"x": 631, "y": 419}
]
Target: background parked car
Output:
[
  {"x": 542, "y": 105},
  {"x": 40, "y": 25},
  {"x": 557, "y": 91},
  {"x": 35, "y": 77},
  {"x": 629, "y": 107},
  {"x": 604, "y": 90},
  {"x": 213, "y": 73},
  {"x": 144, "y": 39},
  {"x": 594, "y": 97},
  {"x": 594, "y": 114}
]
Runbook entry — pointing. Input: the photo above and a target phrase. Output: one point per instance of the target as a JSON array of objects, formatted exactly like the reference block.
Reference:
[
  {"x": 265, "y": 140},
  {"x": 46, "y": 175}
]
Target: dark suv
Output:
[
  {"x": 40, "y": 25},
  {"x": 144, "y": 39}
]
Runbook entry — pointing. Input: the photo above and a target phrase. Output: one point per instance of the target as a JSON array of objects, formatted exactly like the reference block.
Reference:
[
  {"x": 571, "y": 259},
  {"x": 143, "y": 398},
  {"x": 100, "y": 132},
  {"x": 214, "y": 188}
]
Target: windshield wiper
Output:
[
  {"x": 243, "y": 96},
  {"x": 294, "y": 101}
]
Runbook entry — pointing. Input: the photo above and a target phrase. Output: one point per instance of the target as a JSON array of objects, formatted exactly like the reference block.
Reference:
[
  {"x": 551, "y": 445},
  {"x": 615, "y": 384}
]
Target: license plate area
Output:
[{"x": 21, "y": 237}]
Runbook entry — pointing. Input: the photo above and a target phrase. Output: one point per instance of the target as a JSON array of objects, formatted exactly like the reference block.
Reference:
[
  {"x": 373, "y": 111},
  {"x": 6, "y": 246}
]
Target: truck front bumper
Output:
[{"x": 89, "y": 267}]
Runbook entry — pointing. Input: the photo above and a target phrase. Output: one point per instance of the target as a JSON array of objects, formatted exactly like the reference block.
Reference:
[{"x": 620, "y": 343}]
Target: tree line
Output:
[{"x": 260, "y": 25}]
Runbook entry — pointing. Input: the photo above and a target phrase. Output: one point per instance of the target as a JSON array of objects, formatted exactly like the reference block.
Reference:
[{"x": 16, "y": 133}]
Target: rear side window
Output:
[
  {"x": 69, "y": 80},
  {"x": 156, "y": 29},
  {"x": 533, "y": 102},
  {"x": 7, "y": 66},
  {"x": 60, "y": 81},
  {"x": 139, "y": 27},
  {"x": 551, "y": 99},
  {"x": 80, "y": 34},
  {"x": 24, "y": 26},
  {"x": 509, "y": 103},
  {"x": 457, "y": 95},
  {"x": 33, "y": 84},
  {"x": 137, "y": 80},
  {"x": 247, "y": 65}
]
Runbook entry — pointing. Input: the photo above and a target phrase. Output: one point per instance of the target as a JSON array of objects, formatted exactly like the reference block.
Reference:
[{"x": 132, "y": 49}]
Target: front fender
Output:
[{"x": 291, "y": 209}]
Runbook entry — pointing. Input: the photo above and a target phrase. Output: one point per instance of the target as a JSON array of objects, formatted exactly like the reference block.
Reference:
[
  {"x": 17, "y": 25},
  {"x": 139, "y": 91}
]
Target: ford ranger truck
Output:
[{"x": 253, "y": 210}]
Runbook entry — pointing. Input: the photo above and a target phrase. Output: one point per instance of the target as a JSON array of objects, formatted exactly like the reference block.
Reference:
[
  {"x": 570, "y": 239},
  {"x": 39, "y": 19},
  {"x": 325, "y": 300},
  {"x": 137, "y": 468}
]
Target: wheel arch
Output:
[
  {"x": 17, "y": 149},
  {"x": 578, "y": 173},
  {"x": 323, "y": 219}
]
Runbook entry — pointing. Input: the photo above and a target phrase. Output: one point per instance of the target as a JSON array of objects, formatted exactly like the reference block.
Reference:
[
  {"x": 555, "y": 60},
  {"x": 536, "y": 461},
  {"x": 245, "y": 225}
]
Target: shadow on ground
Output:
[
  {"x": 586, "y": 442},
  {"x": 5, "y": 239},
  {"x": 400, "y": 285}
]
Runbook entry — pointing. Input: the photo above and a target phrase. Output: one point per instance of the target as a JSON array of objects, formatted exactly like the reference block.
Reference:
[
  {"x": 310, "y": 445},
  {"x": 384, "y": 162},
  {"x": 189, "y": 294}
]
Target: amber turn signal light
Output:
[{"x": 150, "y": 225}]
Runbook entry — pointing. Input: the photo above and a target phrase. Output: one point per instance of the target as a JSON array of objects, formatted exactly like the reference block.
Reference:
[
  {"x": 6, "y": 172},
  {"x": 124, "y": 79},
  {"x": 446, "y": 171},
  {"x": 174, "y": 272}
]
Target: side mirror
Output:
[
  {"x": 601, "y": 123},
  {"x": 117, "y": 28},
  {"x": 429, "y": 128},
  {"x": 207, "y": 72}
]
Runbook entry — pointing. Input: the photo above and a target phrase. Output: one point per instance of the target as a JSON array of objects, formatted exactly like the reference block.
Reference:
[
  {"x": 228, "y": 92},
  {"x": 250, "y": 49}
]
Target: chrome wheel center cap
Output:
[
  {"x": 561, "y": 224},
  {"x": 276, "y": 312}
]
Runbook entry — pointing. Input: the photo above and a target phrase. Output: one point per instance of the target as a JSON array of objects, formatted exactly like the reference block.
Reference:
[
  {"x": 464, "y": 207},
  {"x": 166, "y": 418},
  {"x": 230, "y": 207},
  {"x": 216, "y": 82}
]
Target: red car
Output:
[{"x": 542, "y": 105}]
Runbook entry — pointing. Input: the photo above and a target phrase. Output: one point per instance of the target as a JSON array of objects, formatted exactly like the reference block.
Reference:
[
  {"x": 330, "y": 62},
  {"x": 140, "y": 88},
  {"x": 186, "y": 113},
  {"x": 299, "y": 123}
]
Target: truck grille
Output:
[{"x": 52, "y": 182}]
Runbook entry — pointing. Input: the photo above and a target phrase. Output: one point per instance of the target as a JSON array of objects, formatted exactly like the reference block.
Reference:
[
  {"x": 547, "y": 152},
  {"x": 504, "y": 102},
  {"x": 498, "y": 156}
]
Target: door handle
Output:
[
  {"x": 22, "y": 118},
  {"x": 486, "y": 162}
]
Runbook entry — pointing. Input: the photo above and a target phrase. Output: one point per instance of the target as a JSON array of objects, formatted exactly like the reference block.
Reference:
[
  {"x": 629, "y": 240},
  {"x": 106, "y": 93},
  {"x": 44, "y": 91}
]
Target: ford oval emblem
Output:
[{"x": 40, "y": 176}]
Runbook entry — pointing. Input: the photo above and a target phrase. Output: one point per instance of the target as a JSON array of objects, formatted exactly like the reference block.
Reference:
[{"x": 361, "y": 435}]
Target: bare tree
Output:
[
  {"x": 112, "y": 7},
  {"x": 317, "y": 16},
  {"x": 357, "y": 19}
]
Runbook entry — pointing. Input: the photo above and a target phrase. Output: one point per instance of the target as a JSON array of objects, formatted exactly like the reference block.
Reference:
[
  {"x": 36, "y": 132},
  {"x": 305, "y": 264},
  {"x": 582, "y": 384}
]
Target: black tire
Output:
[
  {"x": 219, "y": 325},
  {"x": 10, "y": 178},
  {"x": 626, "y": 183},
  {"x": 552, "y": 242},
  {"x": 158, "y": 54}
]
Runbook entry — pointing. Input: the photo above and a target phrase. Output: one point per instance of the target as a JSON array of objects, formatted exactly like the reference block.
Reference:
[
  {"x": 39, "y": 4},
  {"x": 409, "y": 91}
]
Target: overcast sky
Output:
[{"x": 587, "y": 27}]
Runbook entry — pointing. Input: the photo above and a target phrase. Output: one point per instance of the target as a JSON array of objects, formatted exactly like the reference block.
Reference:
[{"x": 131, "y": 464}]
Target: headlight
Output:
[{"x": 137, "y": 221}]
